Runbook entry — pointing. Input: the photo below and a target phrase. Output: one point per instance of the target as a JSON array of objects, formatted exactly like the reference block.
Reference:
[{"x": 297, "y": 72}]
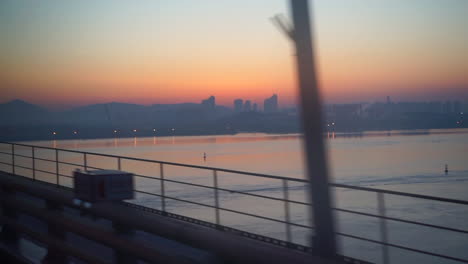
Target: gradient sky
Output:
[{"x": 69, "y": 53}]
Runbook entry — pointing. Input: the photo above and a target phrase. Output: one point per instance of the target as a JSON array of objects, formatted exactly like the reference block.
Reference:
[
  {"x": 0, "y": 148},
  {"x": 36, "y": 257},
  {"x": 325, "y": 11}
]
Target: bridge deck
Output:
[{"x": 154, "y": 238}]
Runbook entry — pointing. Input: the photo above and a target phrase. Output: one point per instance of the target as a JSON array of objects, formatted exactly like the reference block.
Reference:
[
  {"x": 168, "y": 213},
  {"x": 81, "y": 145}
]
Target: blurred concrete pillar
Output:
[{"x": 323, "y": 241}]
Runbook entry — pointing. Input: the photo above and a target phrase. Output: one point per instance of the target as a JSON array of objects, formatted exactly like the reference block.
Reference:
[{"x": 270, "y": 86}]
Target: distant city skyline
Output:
[
  {"x": 63, "y": 54},
  {"x": 254, "y": 102},
  {"x": 241, "y": 105},
  {"x": 20, "y": 120}
]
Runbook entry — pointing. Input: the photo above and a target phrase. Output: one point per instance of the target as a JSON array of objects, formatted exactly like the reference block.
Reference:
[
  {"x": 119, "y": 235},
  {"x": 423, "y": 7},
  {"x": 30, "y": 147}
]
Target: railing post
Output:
[
  {"x": 119, "y": 164},
  {"x": 383, "y": 227},
  {"x": 9, "y": 234},
  {"x": 161, "y": 176},
  {"x": 127, "y": 232},
  {"x": 287, "y": 217},
  {"x": 57, "y": 166},
  {"x": 54, "y": 255},
  {"x": 33, "y": 156},
  {"x": 215, "y": 185},
  {"x": 85, "y": 162},
  {"x": 13, "y": 158}
]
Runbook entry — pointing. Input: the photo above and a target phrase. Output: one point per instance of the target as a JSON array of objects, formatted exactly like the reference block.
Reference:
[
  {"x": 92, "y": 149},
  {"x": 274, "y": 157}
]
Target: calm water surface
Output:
[
  {"x": 408, "y": 161},
  {"x": 376, "y": 158}
]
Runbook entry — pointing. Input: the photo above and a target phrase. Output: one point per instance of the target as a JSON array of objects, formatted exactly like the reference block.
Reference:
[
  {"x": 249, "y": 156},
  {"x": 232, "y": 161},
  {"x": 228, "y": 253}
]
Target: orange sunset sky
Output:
[{"x": 61, "y": 54}]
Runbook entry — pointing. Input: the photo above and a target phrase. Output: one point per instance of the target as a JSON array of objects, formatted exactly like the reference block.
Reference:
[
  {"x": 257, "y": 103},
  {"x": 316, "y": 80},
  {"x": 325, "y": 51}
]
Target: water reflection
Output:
[
  {"x": 396, "y": 160},
  {"x": 238, "y": 138}
]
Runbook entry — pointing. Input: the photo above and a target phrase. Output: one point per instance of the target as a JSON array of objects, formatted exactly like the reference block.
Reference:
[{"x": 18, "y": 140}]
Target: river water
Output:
[{"x": 407, "y": 161}]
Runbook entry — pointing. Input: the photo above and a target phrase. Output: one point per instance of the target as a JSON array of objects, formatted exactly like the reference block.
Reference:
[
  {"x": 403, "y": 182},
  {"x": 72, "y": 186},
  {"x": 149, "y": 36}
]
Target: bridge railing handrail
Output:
[
  {"x": 338, "y": 185},
  {"x": 124, "y": 218},
  {"x": 285, "y": 199},
  {"x": 162, "y": 162}
]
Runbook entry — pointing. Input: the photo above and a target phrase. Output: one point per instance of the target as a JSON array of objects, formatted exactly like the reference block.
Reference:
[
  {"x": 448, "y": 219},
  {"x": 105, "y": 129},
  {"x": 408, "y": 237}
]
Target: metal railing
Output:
[{"x": 217, "y": 208}]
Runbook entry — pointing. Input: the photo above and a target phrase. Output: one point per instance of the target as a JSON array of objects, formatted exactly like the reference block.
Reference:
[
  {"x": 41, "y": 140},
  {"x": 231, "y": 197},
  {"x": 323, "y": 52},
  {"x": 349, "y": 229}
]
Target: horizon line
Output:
[{"x": 64, "y": 106}]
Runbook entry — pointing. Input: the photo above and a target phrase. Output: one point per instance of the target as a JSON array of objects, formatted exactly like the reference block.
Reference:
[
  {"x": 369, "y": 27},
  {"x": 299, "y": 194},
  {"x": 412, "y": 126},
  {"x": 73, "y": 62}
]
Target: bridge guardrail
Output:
[{"x": 382, "y": 217}]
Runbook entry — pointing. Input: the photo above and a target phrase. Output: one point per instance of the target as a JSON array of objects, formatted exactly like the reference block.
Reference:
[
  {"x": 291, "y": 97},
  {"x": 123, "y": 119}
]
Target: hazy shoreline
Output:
[{"x": 248, "y": 136}]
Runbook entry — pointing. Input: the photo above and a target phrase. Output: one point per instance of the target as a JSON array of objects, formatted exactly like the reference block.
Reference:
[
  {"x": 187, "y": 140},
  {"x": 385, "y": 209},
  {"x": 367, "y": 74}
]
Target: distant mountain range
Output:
[
  {"x": 20, "y": 120},
  {"x": 18, "y": 112}
]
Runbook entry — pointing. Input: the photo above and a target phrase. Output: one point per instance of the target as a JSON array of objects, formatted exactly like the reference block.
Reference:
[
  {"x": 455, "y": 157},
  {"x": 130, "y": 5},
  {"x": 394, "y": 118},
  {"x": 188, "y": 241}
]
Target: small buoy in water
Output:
[{"x": 446, "y": 169}]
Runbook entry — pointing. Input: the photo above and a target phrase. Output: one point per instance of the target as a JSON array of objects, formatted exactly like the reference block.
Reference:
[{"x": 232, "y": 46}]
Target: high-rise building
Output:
[
  {"x": 271, "y": 104},
  {"x": 209, "y": 103},
  {"x": 457, "y": 107},
  {"x": 247, "y": 106},
  {"x": 255, "y": 107},
  {"x": 447, "y": 107},
  {"x": 238, "y": 103}
]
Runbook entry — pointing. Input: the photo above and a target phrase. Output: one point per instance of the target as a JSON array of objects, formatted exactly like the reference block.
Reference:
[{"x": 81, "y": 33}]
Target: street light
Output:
[{"x": 154, "y": 136}]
